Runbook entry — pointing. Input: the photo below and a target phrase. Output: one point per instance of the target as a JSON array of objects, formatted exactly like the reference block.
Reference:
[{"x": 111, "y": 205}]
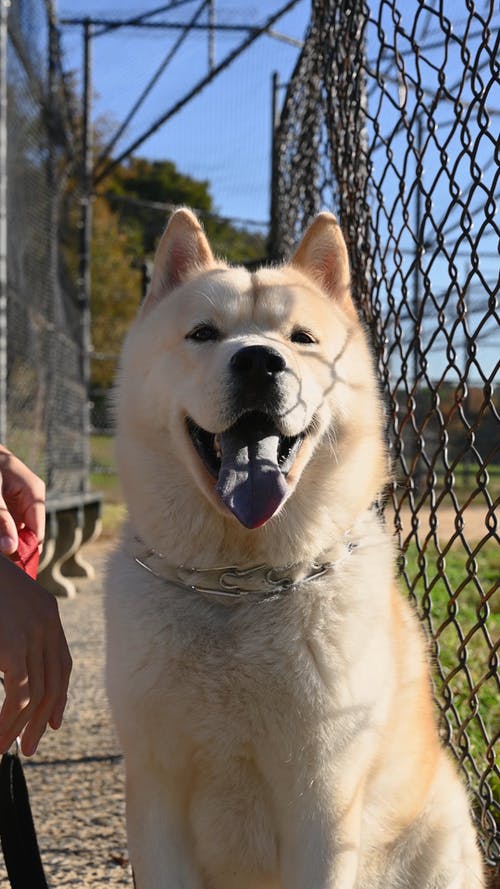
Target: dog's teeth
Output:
[{"x": 218, "y": 452}]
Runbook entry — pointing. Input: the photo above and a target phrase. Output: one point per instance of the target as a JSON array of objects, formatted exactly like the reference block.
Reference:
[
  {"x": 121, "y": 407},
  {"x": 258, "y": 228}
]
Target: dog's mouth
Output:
[{"x": 250, "y": 462}]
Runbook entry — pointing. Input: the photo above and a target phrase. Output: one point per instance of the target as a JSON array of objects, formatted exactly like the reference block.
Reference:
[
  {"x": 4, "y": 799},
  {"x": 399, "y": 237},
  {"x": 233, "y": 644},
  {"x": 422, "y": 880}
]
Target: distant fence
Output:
[
  {"x": 391, "y": 119},
  {"x": 46, "y": 398}
]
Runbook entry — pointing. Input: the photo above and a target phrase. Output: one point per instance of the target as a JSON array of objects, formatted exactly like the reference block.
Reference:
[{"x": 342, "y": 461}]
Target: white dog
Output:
[{"x": 268, "y": 681}]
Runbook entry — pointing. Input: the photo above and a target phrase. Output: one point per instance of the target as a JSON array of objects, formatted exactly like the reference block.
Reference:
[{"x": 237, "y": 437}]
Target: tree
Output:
[
  {"x": 137, "y": 187},
  {"x": 128, "y": 220},
  {"x": 115, "y": 290}
]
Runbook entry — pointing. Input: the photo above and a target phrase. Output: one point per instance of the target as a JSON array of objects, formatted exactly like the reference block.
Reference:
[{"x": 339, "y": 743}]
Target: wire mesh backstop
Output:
[
  {"x": 46, "y": 398},
  {"x": 391, "y": 119}
]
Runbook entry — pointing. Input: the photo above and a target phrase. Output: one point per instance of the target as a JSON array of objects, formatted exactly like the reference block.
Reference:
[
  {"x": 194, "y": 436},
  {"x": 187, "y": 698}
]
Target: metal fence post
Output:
[
  {"x": 275, "y": 117},
  {"x": 85, "y": 243},
  {"x": 51, "y": 419},
  {"x": 211, "y": 35}
]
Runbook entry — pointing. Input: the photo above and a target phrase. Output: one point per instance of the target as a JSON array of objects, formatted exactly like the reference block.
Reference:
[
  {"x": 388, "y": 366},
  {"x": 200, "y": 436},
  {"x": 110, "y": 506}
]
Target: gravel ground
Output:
[{"x": 75, "y": 780}]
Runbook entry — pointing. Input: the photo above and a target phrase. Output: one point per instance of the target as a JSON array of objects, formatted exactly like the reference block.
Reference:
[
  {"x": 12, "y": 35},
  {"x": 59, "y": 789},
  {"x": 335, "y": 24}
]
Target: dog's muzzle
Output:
[
  {"x": 250, "y": 461},
  {"x": 252, "y": 457}
]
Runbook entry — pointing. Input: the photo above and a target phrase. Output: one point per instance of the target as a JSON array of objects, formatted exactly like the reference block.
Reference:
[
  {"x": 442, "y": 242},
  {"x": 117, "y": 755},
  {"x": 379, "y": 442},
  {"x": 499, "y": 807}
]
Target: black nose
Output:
[{"x": 257, "y": 363}]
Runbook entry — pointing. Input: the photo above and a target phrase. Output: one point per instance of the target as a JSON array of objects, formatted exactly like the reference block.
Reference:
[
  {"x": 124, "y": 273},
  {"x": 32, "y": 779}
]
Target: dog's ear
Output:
[
  {"x": 183, "y": 250},
  {"x": 322, "y": 254}
]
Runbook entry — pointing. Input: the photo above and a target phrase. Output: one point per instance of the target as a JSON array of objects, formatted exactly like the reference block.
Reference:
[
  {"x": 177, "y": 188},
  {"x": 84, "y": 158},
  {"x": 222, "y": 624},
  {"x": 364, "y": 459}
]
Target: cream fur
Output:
[{"x": 290, "y": 743}]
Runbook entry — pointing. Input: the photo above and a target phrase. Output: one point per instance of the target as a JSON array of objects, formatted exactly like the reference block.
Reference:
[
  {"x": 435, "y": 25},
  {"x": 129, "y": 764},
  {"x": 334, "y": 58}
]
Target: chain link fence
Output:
[
  {"x": 391, "y": 119},
  {"x": 46, "y": 400}
]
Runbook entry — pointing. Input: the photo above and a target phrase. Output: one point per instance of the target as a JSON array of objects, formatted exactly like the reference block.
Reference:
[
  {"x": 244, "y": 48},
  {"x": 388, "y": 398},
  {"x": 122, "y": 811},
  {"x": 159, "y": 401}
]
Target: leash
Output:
[{"x": 17, "y": 830}]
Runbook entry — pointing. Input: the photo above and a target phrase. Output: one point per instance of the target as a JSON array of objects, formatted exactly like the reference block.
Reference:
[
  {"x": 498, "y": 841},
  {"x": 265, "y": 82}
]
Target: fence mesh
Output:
[
  {"x": 46, "y": 398},
  {"x": 391, "y": 119}
]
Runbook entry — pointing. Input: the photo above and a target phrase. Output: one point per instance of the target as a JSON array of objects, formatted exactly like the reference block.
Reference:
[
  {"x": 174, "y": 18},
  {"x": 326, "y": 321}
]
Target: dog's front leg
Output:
[
  {"x": 322, "y": 843},
  {"x": 160, "y": 849}
]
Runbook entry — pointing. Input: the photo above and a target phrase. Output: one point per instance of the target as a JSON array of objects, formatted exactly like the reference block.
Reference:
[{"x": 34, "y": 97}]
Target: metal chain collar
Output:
[{"x": 233, "y": 584}]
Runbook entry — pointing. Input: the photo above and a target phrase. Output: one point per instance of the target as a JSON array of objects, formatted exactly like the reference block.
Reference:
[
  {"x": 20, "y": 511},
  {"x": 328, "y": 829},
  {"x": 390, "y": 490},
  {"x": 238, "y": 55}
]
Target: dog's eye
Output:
[
  {"x": 300, "y": 335},
  {"x": 203, "y": 333}
]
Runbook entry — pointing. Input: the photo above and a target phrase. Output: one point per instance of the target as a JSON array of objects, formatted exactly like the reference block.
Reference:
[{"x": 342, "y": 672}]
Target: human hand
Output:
[
  {"x": 34, "y": 655},
  {"x": 34, "y": 658},
  {"x": 22, "y": 502}
]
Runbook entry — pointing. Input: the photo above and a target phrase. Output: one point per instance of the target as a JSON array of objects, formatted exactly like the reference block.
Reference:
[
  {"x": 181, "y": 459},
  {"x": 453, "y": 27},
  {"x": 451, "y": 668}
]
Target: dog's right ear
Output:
[{"x": 182, "y": 251}]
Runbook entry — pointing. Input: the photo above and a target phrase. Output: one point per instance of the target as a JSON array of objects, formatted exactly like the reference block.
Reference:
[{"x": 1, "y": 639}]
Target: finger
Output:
[
  {"x": 34, "y": 514},
  {"x": 25, "y": 696},
  {"x": 33, "y": 732},
  {"x": 17, "y": 696},
  {"x": 8, "y": 532},
  {"x": 57, "y": 713},
  {"x": 23, "y": 493},
  {"x": 51, "y": 695}
]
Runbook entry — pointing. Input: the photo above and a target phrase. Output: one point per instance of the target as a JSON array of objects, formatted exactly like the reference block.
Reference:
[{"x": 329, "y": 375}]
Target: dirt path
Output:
[{"x": 474, "y": 530}]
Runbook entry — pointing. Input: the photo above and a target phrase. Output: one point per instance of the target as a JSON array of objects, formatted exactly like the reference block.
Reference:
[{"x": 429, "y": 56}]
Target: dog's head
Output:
[{"x": 245, "y": 377}]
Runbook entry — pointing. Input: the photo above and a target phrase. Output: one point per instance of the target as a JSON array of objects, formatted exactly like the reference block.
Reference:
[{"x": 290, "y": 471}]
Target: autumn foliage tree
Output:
[
  {"x": 129, "y": 216},
  {"x": 115, "y": 290}
]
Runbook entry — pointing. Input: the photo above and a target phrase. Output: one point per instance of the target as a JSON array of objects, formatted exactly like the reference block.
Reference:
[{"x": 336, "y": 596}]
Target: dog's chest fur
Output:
[
  {"x": 233, "y": 691},
  {"x": 252, "y": 677}
]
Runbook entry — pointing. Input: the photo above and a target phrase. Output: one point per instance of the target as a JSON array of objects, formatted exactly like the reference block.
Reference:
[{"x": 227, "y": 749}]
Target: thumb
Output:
[{"x": 8, "y": 532}]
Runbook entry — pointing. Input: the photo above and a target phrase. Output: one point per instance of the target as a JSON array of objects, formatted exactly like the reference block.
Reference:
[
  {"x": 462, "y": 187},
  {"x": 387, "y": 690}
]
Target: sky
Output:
[{"x": 223, "y": 135}]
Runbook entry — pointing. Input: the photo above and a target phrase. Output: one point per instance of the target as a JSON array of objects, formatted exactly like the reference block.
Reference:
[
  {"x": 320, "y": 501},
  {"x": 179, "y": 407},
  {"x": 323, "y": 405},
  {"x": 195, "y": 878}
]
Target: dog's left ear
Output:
[
  {"x": 182, "y": 251},
  {"x": 322, "y": 254}
]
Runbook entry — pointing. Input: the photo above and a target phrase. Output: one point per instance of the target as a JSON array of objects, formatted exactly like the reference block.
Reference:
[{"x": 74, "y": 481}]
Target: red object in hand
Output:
[{"x": 27, "y": 556}]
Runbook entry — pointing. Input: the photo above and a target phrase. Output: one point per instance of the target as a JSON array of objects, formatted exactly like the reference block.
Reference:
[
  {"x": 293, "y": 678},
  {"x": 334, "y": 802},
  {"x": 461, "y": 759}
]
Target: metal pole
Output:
[
  {"x": 4, "y": 9},
  {"x": 275, "y": 118},
  {"x": 196, "y": 90},
  {"x": 85, "y": 242},
  {"x": 106, "y": 153},
  {"x": 211, "y": 35},
  {"x": 53, "y": 455}
]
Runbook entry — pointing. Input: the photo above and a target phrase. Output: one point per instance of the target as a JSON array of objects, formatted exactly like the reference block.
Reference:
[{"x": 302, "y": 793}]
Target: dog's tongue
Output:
[{"x": 250, "y": 482}]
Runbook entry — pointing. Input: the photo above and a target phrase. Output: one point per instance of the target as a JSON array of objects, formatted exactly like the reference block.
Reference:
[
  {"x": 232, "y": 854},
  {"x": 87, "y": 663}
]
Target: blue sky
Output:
[{"x": 224, "y": 134}]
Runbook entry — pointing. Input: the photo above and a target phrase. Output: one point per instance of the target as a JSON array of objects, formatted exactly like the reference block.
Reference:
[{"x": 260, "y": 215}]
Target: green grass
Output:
[
  {"x": 104, "y": 478},
  {"x": 458, "y": 598},
  {"x": 113, "y": 516},
  {"x": 466, "y": 480},
  {"x": 102, "y": 452}
]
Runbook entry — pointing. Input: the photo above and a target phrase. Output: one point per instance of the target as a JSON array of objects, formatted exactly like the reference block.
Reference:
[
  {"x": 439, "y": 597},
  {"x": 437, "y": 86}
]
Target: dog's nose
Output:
[{"x": 260, "y": 363}]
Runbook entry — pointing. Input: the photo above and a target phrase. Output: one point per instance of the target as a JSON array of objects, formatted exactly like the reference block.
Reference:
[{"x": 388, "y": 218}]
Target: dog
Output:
[{"x": 269, "y": 683}]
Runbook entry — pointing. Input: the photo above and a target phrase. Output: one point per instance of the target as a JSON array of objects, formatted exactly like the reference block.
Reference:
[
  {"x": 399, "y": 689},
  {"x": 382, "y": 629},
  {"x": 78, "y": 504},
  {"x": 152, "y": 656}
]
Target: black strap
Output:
[{"x": 17, "y": 831}]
